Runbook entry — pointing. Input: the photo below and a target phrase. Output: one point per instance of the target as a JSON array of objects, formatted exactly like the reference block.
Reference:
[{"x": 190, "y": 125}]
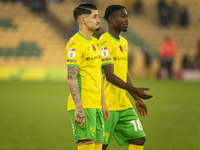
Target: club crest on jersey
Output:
[
  {"x": 121, "y": 49},
  {"x": 104, "y": 51},
  {"x": 72, "y": 52},
  {"x": 94, "y": 48}
]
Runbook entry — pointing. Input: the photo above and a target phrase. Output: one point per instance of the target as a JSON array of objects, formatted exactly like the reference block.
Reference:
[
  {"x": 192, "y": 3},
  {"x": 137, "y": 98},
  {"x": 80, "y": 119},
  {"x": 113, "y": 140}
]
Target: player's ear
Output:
[
  {"x": 110, "y": 19},
  {"x": 83, "y": 19}
]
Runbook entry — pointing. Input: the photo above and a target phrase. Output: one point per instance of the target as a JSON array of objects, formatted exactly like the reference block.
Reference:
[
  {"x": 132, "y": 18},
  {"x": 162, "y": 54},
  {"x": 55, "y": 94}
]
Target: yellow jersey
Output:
[
  {"x": 115, "y": 51},
  {"x": 85, "y": 54}
]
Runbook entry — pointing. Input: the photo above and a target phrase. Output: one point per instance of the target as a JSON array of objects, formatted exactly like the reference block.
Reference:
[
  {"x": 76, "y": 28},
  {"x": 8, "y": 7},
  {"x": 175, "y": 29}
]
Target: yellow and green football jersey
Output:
[
  {"x": 85, "y": 54},
  {"x": 115, "y": 51}
]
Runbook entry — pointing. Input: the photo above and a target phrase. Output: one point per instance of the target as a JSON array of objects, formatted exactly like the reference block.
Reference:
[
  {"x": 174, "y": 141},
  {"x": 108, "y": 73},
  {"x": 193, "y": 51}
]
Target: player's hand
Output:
[
  {"x": 106, "y": 112},
  {"x": 80, "y": 117},
  {"x": 140, "y": 92},
  {"x": 141, "y": 108}
]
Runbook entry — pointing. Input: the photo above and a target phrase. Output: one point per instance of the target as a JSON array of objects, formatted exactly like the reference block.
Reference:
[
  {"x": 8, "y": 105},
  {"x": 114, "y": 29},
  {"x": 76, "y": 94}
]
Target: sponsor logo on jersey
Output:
[
  {"x": 119, "y": 58},
  {"x": 104, "y": 51},
  {"x": 121, "y": 49},
  {"x": 72, "y": 44},
  {"x": 73, "y": 61},
  {"x": 88, "y": 48},
  {"x": 103, "y": 42},
  {"x": 107, "y": 59},
  {"x": 71, "y": 52},
  {"x": 93, "y": 57},
  {"x": 94, "y": 48}
]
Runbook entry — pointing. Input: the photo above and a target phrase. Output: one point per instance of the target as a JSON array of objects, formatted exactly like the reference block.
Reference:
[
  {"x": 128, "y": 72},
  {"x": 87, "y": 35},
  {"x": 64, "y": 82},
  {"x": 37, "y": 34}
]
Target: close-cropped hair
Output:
[
  {"x": 110, "y": 9},
  {"x": 84, "y": 8}
]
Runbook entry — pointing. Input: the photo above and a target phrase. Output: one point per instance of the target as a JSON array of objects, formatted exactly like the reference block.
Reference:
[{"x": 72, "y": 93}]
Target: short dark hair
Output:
[
  {"x": 83, "y": 8},
  {"x": 110, "y": 9}
]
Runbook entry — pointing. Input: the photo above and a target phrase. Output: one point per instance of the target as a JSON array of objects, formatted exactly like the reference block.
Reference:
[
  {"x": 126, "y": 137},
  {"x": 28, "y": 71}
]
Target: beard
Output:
[
  {"x": 124, "y": 30},
  {"x": 97, "y": 29}
]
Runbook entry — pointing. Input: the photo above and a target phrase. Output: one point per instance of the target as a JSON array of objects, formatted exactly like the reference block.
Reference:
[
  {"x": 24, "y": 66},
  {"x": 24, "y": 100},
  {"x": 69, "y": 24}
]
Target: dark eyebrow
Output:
[
  {"x": 123, "y": 14},
  {"x": 126, "y": 15}
]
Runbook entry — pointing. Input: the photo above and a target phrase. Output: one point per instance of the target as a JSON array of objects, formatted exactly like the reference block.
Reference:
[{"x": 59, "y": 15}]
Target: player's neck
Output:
[
  {"x": 114, "y": 33},
  {"x": 87, "y": 34}
]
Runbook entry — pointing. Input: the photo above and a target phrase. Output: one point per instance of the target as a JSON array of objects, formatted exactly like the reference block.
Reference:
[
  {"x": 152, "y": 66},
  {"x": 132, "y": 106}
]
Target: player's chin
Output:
[{"x": 124, "y": 29}]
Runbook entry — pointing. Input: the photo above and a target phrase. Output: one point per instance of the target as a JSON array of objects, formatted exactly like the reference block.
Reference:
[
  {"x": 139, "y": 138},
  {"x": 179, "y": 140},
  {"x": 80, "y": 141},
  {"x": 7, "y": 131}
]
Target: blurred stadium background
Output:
[{"x": 33, "y": 36}]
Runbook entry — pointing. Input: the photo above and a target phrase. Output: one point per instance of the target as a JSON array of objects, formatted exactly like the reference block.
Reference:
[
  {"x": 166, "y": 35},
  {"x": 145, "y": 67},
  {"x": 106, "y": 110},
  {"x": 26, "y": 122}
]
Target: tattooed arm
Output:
[{"x": 74, "y": 90}]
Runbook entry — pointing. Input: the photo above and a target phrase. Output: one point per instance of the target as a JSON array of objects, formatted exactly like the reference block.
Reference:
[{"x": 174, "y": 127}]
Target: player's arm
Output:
[
  {"x": 129, "y": 82},
  {"x": 72, "y": 72},
  {"x": 140, "y": 105},
  {"x": 112, "y": 78},
  {"x": 106, "y": 112}
]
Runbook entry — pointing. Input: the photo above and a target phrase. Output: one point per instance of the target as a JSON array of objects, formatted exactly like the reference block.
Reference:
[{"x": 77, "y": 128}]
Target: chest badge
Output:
[
  {"x": 104, "y": 51},
  {"x": 72, "y": 52}
]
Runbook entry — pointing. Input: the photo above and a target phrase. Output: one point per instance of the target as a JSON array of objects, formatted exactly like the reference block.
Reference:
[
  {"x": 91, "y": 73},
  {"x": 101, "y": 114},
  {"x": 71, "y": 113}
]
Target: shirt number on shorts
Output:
[{"x": 137, "y": 125}]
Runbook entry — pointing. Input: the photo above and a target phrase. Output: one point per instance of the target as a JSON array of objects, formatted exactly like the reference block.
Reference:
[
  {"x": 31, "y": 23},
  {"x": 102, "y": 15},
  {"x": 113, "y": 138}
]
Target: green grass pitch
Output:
[{"x": 33, "y": 116}]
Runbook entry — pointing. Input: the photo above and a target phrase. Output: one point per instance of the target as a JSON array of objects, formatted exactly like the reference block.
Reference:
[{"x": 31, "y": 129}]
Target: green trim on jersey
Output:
[
  {"x": 114, "y": 37},
  {"x": 103, "y": 73},
  {"x": 84, "y": 37},
  {"x": 79, "y": 82},
  {"x": 73, "y": 65},
  {"x": 107, "y": 63}
]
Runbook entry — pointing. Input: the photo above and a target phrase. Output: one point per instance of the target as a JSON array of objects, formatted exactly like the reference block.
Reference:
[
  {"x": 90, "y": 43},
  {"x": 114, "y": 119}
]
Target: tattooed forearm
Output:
[
  {"x": 73, "y": 84},
  {"x": 72, "y": 73},
  {"x": 74, "y": 89}
]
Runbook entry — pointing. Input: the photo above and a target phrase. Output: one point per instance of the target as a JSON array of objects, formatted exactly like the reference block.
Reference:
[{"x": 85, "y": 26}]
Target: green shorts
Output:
[
  {"x": 123, "y": 125},
  {"x": 93, "y": 128}
]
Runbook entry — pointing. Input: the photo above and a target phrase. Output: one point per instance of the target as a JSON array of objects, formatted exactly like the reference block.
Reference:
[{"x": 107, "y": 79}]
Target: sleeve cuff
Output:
[{"x": 108, "y": 63}]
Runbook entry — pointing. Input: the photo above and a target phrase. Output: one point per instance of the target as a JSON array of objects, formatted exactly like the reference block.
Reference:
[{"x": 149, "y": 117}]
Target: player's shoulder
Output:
[
  {"x": 74, "y": 38},
  {"x": 74, "y": 41},
  {"x": 104, "y": 36},
  {"x": 105, "y": 39},
  {"x": 123, "y": 39}
]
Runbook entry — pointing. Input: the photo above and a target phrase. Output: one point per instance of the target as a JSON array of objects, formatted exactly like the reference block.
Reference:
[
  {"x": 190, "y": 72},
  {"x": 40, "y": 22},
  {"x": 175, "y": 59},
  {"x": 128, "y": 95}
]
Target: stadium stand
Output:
[
  {"x": 64, "y": 11},
  {"x": 28, "y": 40},
  {"x": 148, "y": 28}
]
